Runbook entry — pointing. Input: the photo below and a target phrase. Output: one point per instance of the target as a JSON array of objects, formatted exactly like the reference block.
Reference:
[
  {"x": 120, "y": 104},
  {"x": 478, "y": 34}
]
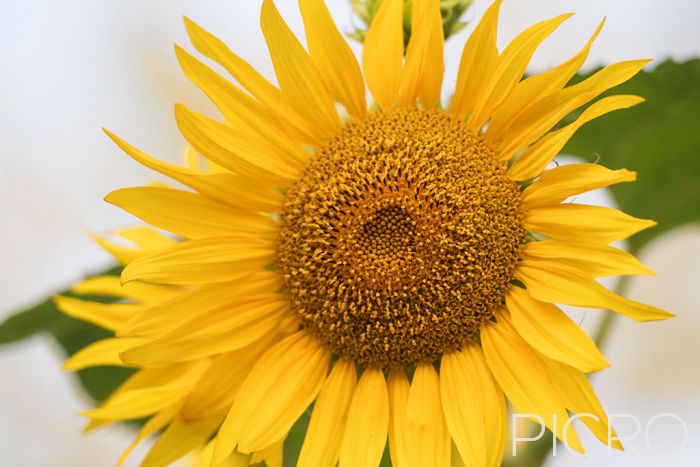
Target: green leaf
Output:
[
  {"x": 386, "y": 457},
  {"x": 23, "y": 325},
  {"x": 98, "y": 382},
  {"x": 72, "y": 335},
  {"x": 659, "y": 139},
  {"x": 295, "y": 438}
]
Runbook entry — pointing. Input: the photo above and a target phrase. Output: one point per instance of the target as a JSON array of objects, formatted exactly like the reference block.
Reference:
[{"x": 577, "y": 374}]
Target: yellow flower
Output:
[{"x": 399, "y": 268}]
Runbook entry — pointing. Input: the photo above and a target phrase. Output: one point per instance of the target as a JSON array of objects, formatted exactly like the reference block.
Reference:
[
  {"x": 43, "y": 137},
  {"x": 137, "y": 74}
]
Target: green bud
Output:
[{"x": 451, "y": 10}]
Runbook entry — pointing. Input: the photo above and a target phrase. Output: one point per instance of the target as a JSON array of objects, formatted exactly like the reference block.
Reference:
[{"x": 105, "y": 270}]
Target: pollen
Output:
[{"x": 399, "y": 240}]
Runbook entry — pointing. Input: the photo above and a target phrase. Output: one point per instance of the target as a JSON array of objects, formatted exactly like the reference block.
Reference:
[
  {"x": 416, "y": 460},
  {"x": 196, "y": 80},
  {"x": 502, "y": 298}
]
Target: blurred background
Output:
[{"x": 71, "y": 67}]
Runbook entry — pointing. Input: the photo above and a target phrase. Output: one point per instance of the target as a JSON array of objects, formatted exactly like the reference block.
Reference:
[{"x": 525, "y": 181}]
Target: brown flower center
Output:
[{"x": 400, "y": 238}]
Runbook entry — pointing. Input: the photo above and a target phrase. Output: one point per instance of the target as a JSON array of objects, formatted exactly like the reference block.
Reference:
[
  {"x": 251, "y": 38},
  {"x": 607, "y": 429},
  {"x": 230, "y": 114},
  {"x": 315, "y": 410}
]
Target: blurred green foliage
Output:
[
  {"x": 72, "y": 335},
  {"x": 659, "y": 139}
]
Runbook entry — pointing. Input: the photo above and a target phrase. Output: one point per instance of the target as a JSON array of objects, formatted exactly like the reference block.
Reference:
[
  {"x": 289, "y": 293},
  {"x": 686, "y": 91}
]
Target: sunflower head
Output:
[
  {"x": 400, "y": 238},
  {"x": 397, "y": 266}
]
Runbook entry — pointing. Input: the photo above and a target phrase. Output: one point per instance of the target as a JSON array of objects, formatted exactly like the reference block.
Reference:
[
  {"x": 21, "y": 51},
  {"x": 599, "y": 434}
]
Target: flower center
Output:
[{"x": 400, "y": 238}]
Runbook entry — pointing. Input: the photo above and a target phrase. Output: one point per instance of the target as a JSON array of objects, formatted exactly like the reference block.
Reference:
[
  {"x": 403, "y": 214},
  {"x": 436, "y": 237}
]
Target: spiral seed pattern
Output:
[{"x": 400, "y": 238}]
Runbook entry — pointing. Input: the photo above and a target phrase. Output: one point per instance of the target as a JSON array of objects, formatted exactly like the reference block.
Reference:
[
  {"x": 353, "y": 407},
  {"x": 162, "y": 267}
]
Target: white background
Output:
[{"x": 70, "y": 67}]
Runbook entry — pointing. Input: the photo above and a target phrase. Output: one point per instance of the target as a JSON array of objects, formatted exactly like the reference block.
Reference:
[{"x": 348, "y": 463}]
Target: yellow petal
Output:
[
  {"x": 523, "y": 376},
  {"x": 434, "y": 63},
  {"x": 558, "y": 184},
  {"x": 222, "y": 331},
  {"x": 218, "y": 387},
  {"x": 581, "y": 222},
  {"x": 154, "y": 424},
  {"x": 272, "y": 456},
  {"x": 586, "y": 259},
  {"x": 234, "y": 190},
  {"x": 324, "y": 435},
  {"x": 382, "y": 54},
  {"x": 423, "y": 71},
  {"x": 477, "y": 64},
  {"x": 333, "y": 57},
  {"x": 548, "y": 283},
  {"x": 533, "y": 88},
  {"x": 399, "y": 388},
  {"x": 149, "y": 392},
  {"x": 145, "y": 238},
  {"x": 178, "y": 439},
  {"x": 368, "y": 421},
  {"x": 245, "y": 113},
  {"x": 192, "y": 159},
  {"x": 186, "y": 306},
  {"x": 509, "y": 69},
  {"x": 547, "y": 329},
  {"x": 199, "y": 164},
  {"x": 106, "y": 315},
  {"x": 158, "y": 376},
  {"x": 296, "y": 73},
  {"x": 201, "y": 261},
  {"x": 232, "y": 149},
  {"x": 540, "y": 117},
  {"x": 100, "y": 353},
  {"x": 236, "y": 459},
  {"x": 274, "y": 395},
  {"x": 189, "y": 215},
  {"x": 579, "y": 398},
  {"x": 111, "y": 286},
  {"x": 427, "y": 438},
  {"x": 456, "y": 460},
  {"x": 252, "y": 81},
  {"x": 120, "y": 253},
  {"x": 535, "y": 159},
  {"x": 474, "y": 407}
]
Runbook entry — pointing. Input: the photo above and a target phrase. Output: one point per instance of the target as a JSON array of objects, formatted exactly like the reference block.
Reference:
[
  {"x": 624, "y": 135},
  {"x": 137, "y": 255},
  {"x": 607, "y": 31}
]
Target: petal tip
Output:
[
  {"x": 601, "y": 364},
  {"x": 127, "y": 275},
  {"x": 68, "y": 365},
  {"x": 112, "y": 197},
  {"x": 128, "y": 359},
  {"x": 111, "y": 135}
]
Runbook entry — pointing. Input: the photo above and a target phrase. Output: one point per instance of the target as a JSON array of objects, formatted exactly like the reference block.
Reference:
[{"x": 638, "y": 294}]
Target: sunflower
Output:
[{"x": 395, "y": 269}]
